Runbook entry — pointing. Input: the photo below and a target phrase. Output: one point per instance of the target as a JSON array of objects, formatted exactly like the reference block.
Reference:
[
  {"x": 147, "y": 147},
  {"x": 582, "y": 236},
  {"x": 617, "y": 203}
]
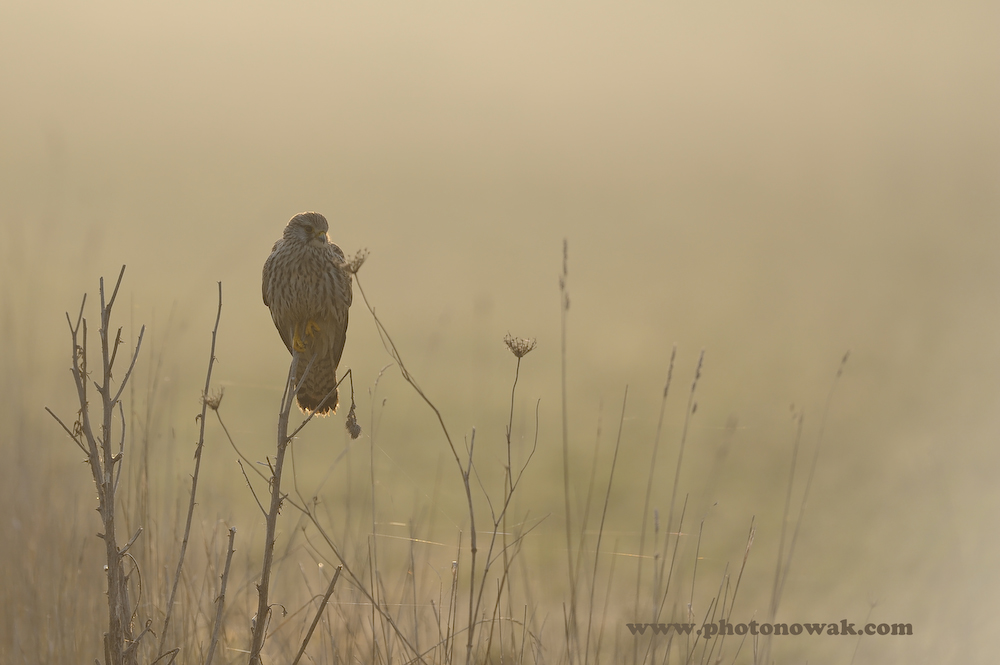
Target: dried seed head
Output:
[
  {"x": 351, "y": 424},
  {"x": 353, "y": 265},
  {"x": 519, "y": 346},
  {"x": 215, "y": 400}
]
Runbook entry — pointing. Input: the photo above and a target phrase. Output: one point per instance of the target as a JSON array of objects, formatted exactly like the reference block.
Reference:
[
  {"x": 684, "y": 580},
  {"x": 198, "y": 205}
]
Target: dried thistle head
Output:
[
  {"x": 351, "y": 424},
  {"x": 214, "y": 401},
  {"x": 353, "y": 265},
  {"x": 519, "y": 346}
]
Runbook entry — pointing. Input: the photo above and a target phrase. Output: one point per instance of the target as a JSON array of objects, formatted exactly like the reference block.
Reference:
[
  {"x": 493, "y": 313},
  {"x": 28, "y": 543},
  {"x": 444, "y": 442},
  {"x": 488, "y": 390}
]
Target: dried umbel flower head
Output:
[
  {"x": 519, "y": 346},
  {"x": 354, "y": 264},
  {"x": 214, "y": 401}
]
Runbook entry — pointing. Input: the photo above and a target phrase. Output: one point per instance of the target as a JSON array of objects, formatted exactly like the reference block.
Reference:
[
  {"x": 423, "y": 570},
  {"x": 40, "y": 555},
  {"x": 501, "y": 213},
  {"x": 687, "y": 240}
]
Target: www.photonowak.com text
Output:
[{"x": 723, "y": 627}]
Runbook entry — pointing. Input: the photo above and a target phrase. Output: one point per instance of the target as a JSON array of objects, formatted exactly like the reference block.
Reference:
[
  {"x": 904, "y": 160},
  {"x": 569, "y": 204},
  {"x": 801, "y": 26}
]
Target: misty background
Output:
[{"x": 774, "y": 183}]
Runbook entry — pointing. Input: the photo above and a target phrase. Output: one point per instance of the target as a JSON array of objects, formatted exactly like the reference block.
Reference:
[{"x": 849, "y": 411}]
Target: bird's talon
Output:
[
  {"x": 297, "y": 342},
  {"x": 311, "y": 328}
]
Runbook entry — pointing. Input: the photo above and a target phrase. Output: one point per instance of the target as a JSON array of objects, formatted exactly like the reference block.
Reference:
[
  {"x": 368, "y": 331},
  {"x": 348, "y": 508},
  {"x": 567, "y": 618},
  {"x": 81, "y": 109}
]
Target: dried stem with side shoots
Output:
[
  {"x": 263, "y": 586},
  {"x": 519, "y": 347}
]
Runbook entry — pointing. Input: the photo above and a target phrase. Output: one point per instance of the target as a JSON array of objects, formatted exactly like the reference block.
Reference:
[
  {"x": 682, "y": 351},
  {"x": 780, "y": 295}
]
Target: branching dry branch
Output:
[{"x": 102, "y": 457}]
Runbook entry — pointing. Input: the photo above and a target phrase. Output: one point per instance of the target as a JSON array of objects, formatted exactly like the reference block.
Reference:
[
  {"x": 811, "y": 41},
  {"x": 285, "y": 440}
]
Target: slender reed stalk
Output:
[
  {"x": 646, "y": 502},
  {"x": 784, "y": 565},
  {"x": 563, "y": 312},
  {"x": 600, "y": 531}
]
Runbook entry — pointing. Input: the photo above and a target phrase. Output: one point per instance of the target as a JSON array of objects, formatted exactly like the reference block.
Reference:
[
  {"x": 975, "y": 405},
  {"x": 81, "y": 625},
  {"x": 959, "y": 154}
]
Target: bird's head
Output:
[{"x": 309, "y": 228}]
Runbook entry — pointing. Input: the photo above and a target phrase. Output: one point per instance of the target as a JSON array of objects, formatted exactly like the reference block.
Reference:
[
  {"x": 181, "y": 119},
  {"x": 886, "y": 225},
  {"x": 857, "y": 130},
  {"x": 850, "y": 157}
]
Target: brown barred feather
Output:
[{"x": 308, "y": 290}]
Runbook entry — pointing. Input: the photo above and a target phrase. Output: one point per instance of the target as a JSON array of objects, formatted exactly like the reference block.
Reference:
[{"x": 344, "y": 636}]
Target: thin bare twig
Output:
[
  {"x": 194, "y": 478},
  {"x": 129, "y": 544},
  {"x": 319, "y": 614},
  {"x": 221, "y": 600},
  {"x": 75, "y": 438}
]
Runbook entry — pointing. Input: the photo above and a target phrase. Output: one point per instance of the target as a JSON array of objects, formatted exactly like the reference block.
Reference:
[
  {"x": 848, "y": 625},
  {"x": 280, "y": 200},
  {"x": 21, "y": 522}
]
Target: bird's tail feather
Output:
[{"x": 321, "y": 379}]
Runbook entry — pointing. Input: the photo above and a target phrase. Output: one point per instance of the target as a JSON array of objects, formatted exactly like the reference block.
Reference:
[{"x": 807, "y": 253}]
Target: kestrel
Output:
[{"x": 307, "y": 287}]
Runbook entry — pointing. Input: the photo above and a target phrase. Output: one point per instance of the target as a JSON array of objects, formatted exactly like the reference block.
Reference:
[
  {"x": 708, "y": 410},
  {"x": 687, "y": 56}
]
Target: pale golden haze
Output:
[{"x": 775, "y": 182}]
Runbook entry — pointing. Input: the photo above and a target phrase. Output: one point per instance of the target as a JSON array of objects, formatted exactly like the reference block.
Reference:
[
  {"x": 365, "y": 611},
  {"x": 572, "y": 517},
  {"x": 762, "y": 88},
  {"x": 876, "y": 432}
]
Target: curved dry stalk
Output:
[{"x": 194, "y": 478}]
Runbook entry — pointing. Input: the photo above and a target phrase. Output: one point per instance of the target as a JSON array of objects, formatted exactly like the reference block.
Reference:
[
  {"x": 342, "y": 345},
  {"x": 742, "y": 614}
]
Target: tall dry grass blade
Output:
[
  {"x": 563, "y": 312},
  {"x": 600, "y": 531},
  {"x": 646, "y": 501},
  {"x": 784, "y": 571}
]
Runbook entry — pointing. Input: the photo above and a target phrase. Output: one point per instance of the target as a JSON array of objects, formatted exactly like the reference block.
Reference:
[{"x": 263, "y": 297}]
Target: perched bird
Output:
[{"x": 307, "y": 287}]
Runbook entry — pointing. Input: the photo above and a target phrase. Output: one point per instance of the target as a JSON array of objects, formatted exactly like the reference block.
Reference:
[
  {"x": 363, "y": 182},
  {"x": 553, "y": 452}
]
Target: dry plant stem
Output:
[
  {"x": 607, "y": 605},
  {"x": 779, "y": 563},
  {"x": 694, "y": 572},
  {"x": 691, "y": 407},
  {"x": 413, "y": 586},
  {"x": 472, "y": 549},
  {"x": 600, "y": 531},
  {"x": 510, "y": 485},
  {"x": 812, "y": 474},
  {"x": 194, "y": 478},
  {"x": 736, "y": 587},
  {"x": 781, "y": 576},
  {"x": 394, "y": 353},
  {"x": 465, "y": 470},
  {"x": 390, "y": 347},
  {"x": 649, "y": 493},
  {"x": 319, "y": 614},
  {"x": 658, "y": 606},
  {"x": 497, "y": 521},
  {"x": 102, "y": 458},
  {"x": 221, "y": 600},
  {"x": 354, "y": 579},
  {"x": 263, "y": 587},
  {"x": 508, "y": 490},
  {"x": 373, "y": 540},
  {"x": 680, "y": 453},
  {"x": 588, "y": 501},
  {"x": 563, "y": 310}
]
